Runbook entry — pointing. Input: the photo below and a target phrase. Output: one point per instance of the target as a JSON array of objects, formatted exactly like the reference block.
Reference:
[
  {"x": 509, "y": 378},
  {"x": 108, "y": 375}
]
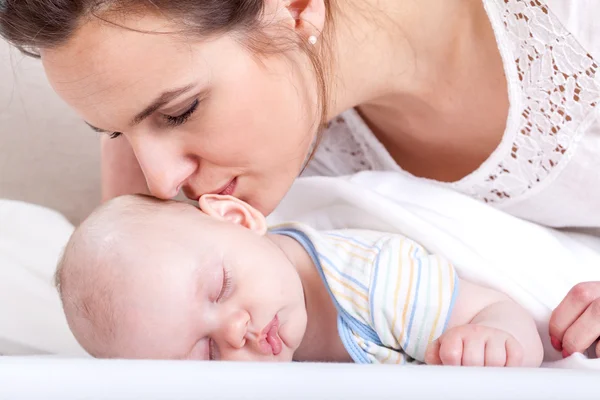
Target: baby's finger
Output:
[
  {"x": 474, "y": 352},
  {"x": 451, "y": 350},
  {"x": 432, "y": 355},
  {"x": 571, "y": 308},
  {"x": 514, "y": 353},
  {"x": 583, "y": 332},
  {"x": 495, "y": 352}
]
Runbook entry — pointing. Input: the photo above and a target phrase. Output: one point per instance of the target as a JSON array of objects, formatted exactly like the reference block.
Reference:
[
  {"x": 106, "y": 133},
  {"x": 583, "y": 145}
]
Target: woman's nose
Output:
[
  {"x": 235, "y": 329},
  {"x": 165, "y": 168}
]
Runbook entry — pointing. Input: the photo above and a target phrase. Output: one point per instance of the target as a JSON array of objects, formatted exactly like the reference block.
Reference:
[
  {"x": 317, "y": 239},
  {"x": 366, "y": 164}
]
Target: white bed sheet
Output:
[{"x": 70, "y": 379}]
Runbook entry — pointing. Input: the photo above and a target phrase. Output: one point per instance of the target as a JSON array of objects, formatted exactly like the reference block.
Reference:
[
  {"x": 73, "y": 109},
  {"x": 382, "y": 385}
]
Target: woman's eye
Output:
[
  {"x": 180, "y": 119},
  {"x": 226, "y": 285}
]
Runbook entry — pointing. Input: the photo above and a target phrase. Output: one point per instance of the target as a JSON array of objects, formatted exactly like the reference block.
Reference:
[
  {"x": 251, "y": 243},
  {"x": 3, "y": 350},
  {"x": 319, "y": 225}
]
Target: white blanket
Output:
[
  {"x": 535, "y": 266},
  {"x": 31, "y": 317}
]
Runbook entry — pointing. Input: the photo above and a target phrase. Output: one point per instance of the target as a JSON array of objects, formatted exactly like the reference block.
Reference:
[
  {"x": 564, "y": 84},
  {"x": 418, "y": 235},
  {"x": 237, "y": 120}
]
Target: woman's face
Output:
[{"x": 204, "y": 117}]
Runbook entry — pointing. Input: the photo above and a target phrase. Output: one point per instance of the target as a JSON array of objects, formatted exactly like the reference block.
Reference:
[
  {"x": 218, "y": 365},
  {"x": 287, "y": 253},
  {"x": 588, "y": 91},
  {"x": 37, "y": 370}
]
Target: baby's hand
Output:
[{"x": 475, "y": 346}]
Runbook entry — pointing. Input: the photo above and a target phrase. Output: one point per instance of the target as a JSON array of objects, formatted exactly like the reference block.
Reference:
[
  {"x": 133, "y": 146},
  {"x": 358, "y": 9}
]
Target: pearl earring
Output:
[{"x": 312, "y": 40}]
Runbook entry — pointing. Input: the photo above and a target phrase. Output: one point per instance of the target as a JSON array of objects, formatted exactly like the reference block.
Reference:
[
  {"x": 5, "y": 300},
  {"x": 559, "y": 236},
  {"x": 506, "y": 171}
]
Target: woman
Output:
[{"x": 496, "y": 99}]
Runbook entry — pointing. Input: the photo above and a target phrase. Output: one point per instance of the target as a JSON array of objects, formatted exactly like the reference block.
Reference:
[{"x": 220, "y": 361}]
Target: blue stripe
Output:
[
  {"x": 349, "y": 342},
  {"x": 454, "y": 295},
  {"x": 416, "y": 300},
  {"x": 363, "y": 330},
  {"x": 348, "y": 277}
]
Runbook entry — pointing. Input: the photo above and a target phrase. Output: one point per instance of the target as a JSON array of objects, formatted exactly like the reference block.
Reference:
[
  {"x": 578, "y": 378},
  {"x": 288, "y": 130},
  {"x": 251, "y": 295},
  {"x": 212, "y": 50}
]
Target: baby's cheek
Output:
[
  {"x": 292, "y": 329},
  {"x": 199, "y": 351}
]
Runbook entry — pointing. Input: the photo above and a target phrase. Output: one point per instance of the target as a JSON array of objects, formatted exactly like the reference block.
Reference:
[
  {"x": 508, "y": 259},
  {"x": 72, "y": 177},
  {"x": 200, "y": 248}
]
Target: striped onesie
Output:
[{"x": 393, "y": 298}]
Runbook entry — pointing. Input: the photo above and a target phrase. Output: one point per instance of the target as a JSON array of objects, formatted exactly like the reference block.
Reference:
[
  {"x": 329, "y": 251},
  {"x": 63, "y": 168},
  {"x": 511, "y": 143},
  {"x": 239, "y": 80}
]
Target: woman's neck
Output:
[
  {"x": 321, "y": 340},
  {"x": 390, "y": 51}
]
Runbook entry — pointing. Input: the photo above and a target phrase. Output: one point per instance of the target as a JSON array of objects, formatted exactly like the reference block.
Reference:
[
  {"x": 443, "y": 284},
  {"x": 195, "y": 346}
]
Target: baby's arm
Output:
[{"x": 487, "y": 328}]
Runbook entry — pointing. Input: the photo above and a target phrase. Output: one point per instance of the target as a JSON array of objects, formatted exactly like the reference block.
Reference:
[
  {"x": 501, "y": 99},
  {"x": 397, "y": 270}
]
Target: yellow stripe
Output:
[
  {"x": 398, "y": 286},
  {"x": 352, "y": 244},
  {"x": 400, "y": 357},
  {"x": 396, "y": 294},
  {"x": 346, "y": 285},
  {"x": 359, "y": 340},
  {"x": 439, "y": 311},
  {"x": 389, "y": 354},
  {"x": 451, "y": 277},
  {"x": 350, "y": 299},
  {"x": 366, "y": 260}
]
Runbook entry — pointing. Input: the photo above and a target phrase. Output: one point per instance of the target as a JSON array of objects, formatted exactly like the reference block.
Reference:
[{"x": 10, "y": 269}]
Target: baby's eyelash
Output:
[
  {"x": 211, "y": 350},
  {"x": 180, "y": 119},
  {"x": 114, "y": 135},
  {"x": 226, "y": 285}
]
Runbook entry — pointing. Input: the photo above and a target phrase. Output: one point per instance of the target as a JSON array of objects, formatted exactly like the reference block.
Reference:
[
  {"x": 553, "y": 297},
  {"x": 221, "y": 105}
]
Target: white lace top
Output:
[{"x": 547, "y": 166}]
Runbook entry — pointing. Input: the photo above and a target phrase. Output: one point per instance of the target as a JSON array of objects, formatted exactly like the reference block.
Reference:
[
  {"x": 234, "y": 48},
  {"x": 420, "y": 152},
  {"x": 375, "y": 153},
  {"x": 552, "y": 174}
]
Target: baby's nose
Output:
[{"x": 236, "y": 329}]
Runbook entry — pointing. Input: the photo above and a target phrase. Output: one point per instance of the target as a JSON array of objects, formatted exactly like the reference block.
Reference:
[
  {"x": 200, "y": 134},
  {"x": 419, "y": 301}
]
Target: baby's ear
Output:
[{"x": 229, "y": 208}]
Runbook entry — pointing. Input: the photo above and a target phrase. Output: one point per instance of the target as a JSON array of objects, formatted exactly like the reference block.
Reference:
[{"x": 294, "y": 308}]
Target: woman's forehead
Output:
[
  {"x": 109, "y": 66},
  {"x": 100, "y": 54}
]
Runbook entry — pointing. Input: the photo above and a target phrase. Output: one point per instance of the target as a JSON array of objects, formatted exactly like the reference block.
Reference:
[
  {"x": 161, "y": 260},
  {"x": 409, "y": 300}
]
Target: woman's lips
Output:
[
  {"x": 228, "y": 189},
  {"x": 269, "y": 341}
]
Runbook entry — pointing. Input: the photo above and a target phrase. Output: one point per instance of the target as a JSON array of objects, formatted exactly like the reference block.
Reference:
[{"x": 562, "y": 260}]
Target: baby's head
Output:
[{"x": 152, "y": 279}]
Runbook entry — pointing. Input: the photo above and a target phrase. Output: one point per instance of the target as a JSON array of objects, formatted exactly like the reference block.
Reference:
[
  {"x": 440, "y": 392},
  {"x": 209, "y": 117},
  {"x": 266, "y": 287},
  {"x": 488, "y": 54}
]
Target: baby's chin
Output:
[{"x": 286, "y": 356}]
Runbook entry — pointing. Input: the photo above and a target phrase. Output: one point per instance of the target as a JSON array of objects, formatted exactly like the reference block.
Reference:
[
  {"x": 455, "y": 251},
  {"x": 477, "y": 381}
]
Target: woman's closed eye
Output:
[
  {"x": 182, "y": 118},
  {"x": 112, "y": 135},
  {"x": 171, "y": 121}
]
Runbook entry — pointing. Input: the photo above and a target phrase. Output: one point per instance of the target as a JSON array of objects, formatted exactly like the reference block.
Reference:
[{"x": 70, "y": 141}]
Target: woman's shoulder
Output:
[
  {"x": 580, "y": 18},
  {"x": 573, "y": 19}
]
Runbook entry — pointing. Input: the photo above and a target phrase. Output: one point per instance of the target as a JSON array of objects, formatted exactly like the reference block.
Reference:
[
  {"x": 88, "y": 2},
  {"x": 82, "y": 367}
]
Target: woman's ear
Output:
[
  {"x": 229, "y": 208},
  {"x": 307, "y": 17}
]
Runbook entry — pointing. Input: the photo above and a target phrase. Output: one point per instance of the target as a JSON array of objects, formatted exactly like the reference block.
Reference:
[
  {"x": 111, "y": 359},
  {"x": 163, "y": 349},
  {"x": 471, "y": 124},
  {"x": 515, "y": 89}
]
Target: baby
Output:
[{"x": 151, "y": 279}]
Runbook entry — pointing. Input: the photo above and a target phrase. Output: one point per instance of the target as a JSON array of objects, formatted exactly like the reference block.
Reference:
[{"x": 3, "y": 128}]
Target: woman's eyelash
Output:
[
  {"x": 226, "y": 285},
  {"x": 171, "y": 121},
  {"x": 180, "y": 119}
]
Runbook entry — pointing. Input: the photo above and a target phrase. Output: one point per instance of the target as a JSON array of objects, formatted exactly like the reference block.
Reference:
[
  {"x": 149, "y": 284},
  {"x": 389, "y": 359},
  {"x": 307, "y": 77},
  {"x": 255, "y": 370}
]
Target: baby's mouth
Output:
[{"x": 269, "y": 341}]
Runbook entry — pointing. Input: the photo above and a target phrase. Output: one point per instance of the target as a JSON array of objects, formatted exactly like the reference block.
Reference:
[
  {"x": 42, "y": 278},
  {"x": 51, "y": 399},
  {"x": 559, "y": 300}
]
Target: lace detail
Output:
[
  {"x": 557, "y": 90},
  {"x": 345, "y": 149}
]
